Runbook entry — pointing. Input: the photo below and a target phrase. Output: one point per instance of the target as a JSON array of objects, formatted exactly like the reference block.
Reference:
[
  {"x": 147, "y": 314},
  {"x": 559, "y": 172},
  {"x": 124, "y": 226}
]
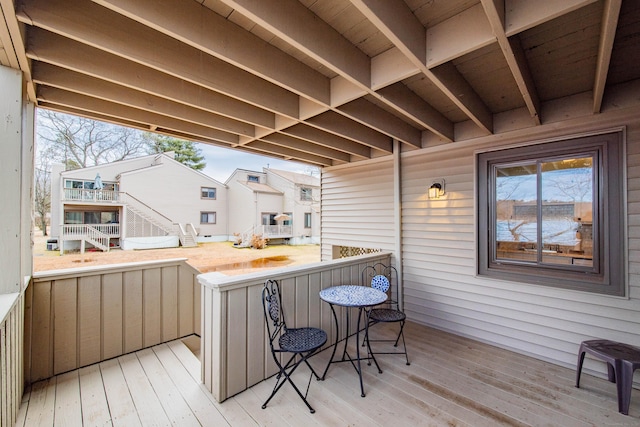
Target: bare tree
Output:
[
  {"x": 79, "y": 142},
  {"x": 42, "y": 194}
]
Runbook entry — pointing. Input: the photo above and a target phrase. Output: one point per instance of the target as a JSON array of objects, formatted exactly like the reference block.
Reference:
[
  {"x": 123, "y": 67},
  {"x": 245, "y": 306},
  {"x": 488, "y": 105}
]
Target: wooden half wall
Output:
[
  {"x": 82, "y": 316},
  {"x": 11, "y": 347},
  {"x": 234, "y": 349}
]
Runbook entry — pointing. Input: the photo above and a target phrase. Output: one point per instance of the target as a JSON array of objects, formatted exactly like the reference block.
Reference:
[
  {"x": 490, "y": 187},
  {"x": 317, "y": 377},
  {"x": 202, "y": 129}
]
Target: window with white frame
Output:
[
  {"x": 553, "y": 214},
  {"x": 306, "y": 193},
  {"x": 207, "y": 193},
  {"x": 253, "y": 178},
  {"x": 307, "y": 220},
  {"x": 207, "y": 217}
]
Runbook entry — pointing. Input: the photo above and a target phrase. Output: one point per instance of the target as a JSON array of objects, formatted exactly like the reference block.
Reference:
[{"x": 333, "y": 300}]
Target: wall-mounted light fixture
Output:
[{"x": 437, "y": 189}]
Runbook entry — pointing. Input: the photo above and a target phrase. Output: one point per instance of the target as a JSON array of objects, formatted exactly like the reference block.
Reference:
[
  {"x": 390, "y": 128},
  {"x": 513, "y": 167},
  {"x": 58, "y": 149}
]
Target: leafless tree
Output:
[
  {"x": 80, "y": 142},
  {"x": 42, "y": 193}
]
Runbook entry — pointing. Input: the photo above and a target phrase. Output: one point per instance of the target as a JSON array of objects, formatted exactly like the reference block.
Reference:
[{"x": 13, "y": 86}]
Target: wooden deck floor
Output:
[{"x": 452, "y": 381}]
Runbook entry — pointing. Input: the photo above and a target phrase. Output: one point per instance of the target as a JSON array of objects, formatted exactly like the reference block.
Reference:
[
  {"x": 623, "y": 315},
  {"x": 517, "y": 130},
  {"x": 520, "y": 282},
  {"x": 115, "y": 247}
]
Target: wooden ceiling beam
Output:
[
  {"x": 421, "y": 112},
  {"x": 467, "y": 31},
  {"x": 362, "y": 110},
  {"x": 339, "y": 125},
  {"x": 520, "y": 15},
  {"x": 300, "y": 28},
  {"x": 72, "y": 81},
  {"x": 289, "y": 153},
  {"x": 220, "y": 38},
  {"x": 607, "y": 36},
  {"x": 396, "y": 21},
  {"x": 330, "y": 140},
  {"x": 287, "y": 141},
  {"x": 47, "y": 47},
  {"x": 99, "y": 27},
  {"x": 94, "y": 105},
  {"x": 515, "y": 57},
  {"x": 128, "y": 123},
  {"x": 205, "y": 30}
]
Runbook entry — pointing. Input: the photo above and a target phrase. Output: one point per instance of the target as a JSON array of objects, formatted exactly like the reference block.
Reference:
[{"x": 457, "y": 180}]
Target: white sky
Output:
[{"x": 221, "y": 162}]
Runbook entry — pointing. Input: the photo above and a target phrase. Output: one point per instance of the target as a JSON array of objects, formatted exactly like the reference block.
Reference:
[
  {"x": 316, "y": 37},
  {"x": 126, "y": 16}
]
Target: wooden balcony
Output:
[
  {"x": 91, "y": 196},
  {"x": 105, "y": 346},
  {"x": 451, "y": 381}
]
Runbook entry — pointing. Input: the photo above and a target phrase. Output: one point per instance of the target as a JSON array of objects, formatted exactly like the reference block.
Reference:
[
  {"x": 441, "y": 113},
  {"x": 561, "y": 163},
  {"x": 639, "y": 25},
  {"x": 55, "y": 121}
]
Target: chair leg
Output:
[
  {"x": 581, "y": 354},
  {"x": 286, "y": 376},
  {"x": 404, "y": 344}
]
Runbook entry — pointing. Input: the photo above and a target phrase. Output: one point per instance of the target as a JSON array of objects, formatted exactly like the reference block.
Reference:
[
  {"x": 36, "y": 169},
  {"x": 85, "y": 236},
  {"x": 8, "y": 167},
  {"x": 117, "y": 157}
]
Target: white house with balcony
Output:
[
  {"x": 275, "y": 204},
  {"x": 148, "y": 202}
]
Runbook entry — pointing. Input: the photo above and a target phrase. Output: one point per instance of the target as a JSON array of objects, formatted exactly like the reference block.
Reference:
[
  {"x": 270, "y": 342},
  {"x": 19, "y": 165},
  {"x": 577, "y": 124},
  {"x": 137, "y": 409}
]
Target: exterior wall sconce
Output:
[{"x": 437, "y": 189}]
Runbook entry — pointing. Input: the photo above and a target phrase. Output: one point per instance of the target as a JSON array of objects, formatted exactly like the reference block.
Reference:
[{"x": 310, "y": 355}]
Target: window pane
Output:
[
  {"x": 208, "y": 193},
  {"x": 567, "y": 201},
  {"x": 516, "y": 208}
]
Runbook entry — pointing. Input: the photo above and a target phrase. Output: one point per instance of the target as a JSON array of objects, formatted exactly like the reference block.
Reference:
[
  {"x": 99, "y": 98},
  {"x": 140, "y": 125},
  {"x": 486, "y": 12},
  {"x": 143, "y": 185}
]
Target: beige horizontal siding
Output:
[
  {"x": 370, "y": 225},
  {"x": 441, "y": 288}
]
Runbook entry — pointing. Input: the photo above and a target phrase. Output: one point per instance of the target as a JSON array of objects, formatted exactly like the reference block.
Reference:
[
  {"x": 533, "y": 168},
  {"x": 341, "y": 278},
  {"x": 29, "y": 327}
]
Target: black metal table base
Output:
[{"x": 345, "y": 355}]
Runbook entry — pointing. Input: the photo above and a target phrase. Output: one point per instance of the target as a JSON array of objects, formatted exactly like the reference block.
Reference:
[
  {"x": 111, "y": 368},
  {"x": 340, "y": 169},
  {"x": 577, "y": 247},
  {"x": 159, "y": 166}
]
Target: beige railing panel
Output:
[
  {"x": 234, "y": 350},
  {"x": 82, "y": 316},
  {"x": 11, "y": 351}
]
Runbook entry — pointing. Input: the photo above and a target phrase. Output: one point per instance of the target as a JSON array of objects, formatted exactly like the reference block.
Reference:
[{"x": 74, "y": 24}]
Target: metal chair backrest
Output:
[
  {"x": 273, "y": 313},
  {"x": 384, "y": 278}
]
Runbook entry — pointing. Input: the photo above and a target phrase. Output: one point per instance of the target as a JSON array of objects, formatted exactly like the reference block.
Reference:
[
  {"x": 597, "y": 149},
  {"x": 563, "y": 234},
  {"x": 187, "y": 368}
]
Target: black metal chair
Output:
[
  {"x": 302, "y": 343},
  {"x": 385, "y": 278}
]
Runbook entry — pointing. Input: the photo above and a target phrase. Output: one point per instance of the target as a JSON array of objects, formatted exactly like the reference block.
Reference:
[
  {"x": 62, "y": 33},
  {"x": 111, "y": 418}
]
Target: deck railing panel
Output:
[
  {"x": 11, "y": 351},
  {"x": 82, "y": 316},
  {"x": 234, "y": 351}
]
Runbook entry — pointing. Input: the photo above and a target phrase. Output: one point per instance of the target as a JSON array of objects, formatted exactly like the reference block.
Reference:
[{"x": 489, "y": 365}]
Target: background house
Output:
[
  {"x": 278, "y": 205},
  {"x": 146, "y": 202}
]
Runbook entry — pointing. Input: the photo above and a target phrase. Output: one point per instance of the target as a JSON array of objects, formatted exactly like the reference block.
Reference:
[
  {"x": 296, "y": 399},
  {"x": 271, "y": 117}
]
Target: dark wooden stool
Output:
[{"x": 622, "y": 360}]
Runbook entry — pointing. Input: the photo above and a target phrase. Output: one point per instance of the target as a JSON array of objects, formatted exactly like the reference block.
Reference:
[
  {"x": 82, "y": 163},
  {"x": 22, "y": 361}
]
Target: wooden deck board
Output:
[{"x": 452, "y": 381}]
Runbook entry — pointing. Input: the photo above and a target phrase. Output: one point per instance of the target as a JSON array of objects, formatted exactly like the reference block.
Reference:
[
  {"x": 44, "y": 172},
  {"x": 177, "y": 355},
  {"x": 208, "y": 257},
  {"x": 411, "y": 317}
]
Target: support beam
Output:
[
  {"x": 50, "y": 48},
  {"x": 82, "y": 102},
  {"x": 339, "y": 125},
  {"x": 200, "y": 27},
  {"x": 398, "y": 24},
  {"x": 71, "y": 81},
  {"x": 47, "y": 47},
  {"x": 300, "y": 28},
  {"x": 364, "y": 111},
  {"x": 101, "y": 28},
  {"x": 607, "y": 36},
  {"x": 287, "y": 141},
  {"x": 520, "y": 15},
  {"x": 330, "y": 140},
  {"x": 515, "y": 57},
  {"x": 289, "y": 153},
  {"x": 421, "y": 112}
]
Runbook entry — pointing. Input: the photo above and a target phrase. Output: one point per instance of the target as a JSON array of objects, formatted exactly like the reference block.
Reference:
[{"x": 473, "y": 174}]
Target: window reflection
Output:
[{"x": 544, "y": 211}]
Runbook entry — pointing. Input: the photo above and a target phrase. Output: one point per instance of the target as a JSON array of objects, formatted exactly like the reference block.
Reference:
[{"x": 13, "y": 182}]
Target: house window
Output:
[
  {"x": 552, "y": 214},
  {"x": 306, "y": 193},
  {"x": 307, "y": 220},
  {"x": 253, "y": 178},
  {"x": 269, "y": 219},
  {"x": 208, "y": 193},
  {"x": 207, "y": 217}
]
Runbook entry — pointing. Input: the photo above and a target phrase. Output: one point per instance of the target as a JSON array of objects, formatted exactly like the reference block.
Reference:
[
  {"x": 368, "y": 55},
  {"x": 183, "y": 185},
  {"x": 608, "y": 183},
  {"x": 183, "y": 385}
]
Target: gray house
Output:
[{"x": 432, "y": 121}]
